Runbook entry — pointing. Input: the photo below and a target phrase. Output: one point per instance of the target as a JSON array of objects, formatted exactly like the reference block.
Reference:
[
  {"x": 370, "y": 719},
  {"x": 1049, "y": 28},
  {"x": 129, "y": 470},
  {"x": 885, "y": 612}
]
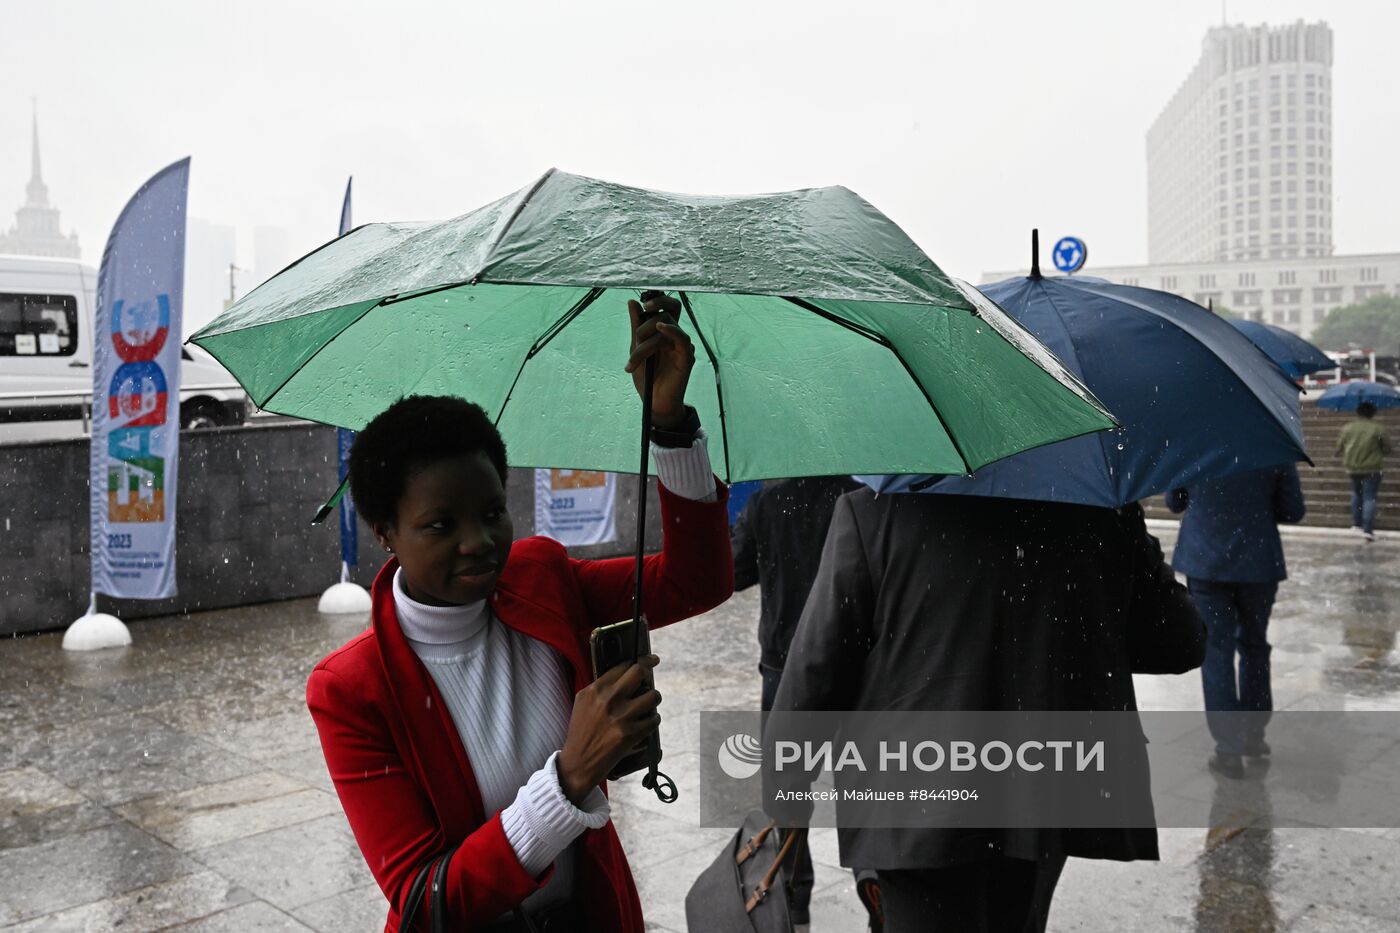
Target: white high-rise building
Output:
[{"x": 1239, "y": 163}]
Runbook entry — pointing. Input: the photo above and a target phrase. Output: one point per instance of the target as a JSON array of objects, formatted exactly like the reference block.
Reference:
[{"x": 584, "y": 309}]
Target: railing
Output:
[
  {"x": 86, "y": 402},
  {"x": 59, "y": 393}
]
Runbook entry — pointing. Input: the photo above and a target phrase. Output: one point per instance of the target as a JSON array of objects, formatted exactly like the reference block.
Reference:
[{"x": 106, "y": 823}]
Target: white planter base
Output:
[
  {"x": 94, "y": 631},
  {"x": 344, "y": 599}
]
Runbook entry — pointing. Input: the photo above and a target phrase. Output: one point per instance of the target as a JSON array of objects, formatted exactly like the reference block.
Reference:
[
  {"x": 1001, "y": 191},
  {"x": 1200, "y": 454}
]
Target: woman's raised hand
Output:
[{"x": 656, "y": 333}]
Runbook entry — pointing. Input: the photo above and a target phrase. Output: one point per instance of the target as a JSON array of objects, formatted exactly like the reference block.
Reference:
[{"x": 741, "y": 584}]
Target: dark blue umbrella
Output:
[
  {"x": 1292, "y": 353},
  {"x": 1347, "y": 395},
  {"x": 1195, "y": 397}
]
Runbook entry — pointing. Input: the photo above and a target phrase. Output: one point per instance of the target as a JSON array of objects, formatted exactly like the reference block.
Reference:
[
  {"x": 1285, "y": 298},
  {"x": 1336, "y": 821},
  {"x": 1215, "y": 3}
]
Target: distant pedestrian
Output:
[
  {"x": 1363, "y": 445},
  {"x": 777, "y": 545},
  {"x": 1230, "y": 551}
]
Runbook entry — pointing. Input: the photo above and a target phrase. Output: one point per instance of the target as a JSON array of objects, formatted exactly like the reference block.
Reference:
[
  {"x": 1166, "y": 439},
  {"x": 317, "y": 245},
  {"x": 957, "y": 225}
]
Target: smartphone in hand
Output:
[{"x": 610, "y": 646}]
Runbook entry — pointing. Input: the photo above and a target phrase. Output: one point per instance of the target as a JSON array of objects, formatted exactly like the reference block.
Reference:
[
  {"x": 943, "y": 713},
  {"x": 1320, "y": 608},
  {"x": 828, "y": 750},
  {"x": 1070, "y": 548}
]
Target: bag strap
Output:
[
  {"x": 440, "y": 891},
  {"x": 761, "y": 891},
  {"x": 436, "y": 870},
  {"x": 754, "y": 844},
  {"x": 415, "y": 897}
]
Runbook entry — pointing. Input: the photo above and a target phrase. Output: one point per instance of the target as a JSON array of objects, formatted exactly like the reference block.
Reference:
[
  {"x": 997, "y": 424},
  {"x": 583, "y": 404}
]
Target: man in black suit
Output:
[
  {"x": 945, "y": 602},
  {"x": 777, "y": 544}
]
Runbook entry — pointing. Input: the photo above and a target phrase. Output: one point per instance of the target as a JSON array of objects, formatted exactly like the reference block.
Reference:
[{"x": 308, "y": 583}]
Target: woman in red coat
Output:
[{"x": 466, "y": 715}]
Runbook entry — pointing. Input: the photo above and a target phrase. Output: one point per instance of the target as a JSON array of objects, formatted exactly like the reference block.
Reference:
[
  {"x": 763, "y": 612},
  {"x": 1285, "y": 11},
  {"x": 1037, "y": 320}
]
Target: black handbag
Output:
[
  {"x": 734, "y": 895},
  {"x": 436, "y": 869}
]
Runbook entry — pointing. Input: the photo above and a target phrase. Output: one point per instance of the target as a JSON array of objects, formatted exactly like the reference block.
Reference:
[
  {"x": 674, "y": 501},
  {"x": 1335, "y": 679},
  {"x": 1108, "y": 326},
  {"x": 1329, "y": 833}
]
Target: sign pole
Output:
[{"x": 346, "y": 597}]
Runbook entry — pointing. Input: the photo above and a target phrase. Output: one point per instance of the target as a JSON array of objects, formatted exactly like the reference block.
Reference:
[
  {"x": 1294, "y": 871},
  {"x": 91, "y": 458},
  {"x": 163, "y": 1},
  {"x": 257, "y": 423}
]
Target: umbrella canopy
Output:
[
  {"x": 1195, "y": 398},
  {"x": 827, "y": 341},
  {"x": 1347, "y": 396},
  {"x": 1292, "y": 353}
]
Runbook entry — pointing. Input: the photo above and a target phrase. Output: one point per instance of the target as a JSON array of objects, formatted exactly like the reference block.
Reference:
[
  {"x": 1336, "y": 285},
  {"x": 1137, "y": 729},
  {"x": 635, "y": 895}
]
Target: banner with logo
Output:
[
  {"x": 134, "y": 460},
  {"x": 349, "y": 533},
  {"x": 575, "y": 507}
]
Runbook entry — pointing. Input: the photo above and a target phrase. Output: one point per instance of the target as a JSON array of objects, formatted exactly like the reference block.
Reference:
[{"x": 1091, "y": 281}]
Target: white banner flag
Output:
[
  {"x": 136, "y": 392},
  {"x": 575, "y": 507}
]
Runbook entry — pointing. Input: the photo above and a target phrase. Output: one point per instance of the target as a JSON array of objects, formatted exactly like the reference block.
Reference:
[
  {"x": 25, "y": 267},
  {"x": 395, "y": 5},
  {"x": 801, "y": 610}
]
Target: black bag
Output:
[
  {"x": 735, "y": 894},
  {"x": 437, "y": 870}
]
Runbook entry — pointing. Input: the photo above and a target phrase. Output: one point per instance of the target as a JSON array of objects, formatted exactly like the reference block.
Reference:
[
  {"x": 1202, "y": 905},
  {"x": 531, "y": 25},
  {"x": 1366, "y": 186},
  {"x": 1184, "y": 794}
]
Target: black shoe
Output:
[
  {"x": 1257, "y": 748},
  {"x": 868, "y": 889},
  {"x": 1229, "y": 766}
]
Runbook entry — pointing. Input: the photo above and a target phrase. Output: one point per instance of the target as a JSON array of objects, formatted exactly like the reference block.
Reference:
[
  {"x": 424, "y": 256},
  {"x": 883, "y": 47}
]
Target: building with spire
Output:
[{"x": 36, "y": 231}]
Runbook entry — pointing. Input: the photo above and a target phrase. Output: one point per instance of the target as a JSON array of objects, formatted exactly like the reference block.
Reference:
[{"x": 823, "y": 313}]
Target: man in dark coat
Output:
[
  {"x": 777, "y": 545},
  {"x": 944, "y": 602},
  {"x": 1230, "y": 551}
]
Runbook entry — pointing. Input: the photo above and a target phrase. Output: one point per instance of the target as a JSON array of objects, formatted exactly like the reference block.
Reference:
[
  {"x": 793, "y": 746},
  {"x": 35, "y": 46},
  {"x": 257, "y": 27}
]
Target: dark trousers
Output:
[
  {"x": 1364, "y": 487},
  {"x": 798, "y": 869},
  {"x": 994, "y": 895},
  {"x": 1237, "y": 624}
]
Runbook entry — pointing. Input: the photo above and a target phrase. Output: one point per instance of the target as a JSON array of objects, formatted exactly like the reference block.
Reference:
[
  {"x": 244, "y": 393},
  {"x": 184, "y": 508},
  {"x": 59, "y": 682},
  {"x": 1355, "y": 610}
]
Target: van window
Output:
[{"x": 38, "y": 325}]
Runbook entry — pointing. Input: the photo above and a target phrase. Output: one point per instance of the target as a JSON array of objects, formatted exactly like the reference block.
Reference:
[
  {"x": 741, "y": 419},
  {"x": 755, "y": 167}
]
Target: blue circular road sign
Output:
[{"x": 1069, "y": 254}]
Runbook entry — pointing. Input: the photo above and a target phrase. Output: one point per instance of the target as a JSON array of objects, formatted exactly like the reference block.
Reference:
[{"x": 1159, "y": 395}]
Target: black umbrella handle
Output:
[
  {"x": 653, "y": 780},
  {"x": 647, "y": 387}
]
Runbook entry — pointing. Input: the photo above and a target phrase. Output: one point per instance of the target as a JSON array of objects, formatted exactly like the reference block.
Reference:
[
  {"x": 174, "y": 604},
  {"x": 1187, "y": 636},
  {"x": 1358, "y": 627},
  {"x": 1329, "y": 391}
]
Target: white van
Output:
[{"x": 46, "y": 319}]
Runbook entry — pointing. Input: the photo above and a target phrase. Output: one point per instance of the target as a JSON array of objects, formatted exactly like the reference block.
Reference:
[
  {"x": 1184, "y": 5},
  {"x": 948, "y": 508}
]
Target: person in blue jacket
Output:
[{"x": 1230, "y": 551}]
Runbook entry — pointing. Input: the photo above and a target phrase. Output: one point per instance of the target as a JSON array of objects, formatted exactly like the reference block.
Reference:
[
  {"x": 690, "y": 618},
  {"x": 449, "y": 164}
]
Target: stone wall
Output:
[{"x": 246, "y": 499}]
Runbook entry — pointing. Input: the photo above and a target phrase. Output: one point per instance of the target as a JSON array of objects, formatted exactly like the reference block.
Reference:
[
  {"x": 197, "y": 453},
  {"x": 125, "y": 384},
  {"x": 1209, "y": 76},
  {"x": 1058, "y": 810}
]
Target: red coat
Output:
[{"x": 399, "y": 766}]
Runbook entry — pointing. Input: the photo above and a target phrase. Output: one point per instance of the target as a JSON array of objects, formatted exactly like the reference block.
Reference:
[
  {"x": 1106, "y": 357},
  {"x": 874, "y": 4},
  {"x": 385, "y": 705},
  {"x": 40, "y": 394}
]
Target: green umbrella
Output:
[{"x": 827, "y": 341}]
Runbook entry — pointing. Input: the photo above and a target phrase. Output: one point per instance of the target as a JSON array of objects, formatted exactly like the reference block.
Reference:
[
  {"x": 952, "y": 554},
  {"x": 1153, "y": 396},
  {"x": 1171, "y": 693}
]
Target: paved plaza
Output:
[{"x": 178, "y": 784}]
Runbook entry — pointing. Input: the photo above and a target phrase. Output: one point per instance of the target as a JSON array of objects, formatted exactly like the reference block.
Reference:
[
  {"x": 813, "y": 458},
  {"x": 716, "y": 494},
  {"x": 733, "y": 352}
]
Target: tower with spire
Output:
[{"x": 36, "y": 231}]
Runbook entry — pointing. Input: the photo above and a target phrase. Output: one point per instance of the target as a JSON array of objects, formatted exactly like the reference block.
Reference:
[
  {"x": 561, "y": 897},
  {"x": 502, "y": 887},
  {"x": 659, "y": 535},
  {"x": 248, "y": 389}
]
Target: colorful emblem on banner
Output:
[
  {"x": 139, "y": 329},
  {"x": 138, "y": 402}
]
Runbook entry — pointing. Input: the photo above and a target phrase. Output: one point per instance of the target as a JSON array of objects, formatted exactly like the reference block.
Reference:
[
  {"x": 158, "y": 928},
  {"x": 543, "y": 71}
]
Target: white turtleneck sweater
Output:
[{"x": 511, "y": 698}]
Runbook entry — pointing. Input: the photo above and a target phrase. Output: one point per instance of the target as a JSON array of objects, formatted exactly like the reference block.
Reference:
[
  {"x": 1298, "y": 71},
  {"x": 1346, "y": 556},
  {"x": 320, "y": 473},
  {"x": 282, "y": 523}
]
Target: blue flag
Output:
[{"x": 349, "y": 533}]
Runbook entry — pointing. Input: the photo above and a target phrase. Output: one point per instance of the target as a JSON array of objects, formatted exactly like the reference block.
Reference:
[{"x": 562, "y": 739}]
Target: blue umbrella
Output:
[
  {"x": 1292, "y": 353},
  {"x": 1347, "y": 395},
  {"x": 1195, "y": 397}
]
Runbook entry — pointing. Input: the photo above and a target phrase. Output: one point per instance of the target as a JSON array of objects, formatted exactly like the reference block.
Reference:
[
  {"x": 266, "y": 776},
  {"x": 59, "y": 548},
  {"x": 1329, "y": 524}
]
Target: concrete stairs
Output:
[{"x": 1326, "y": 487}]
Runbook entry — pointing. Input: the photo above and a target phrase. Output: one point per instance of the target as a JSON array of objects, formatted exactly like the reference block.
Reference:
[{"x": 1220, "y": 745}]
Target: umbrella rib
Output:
[
  {"x": 292, "y": 375},
  {"x": 543, "y": 341},
  {"x": 510, "y": 222},
  {"x": 884, "y": 341},
  {"x": 719, "y": 390}
]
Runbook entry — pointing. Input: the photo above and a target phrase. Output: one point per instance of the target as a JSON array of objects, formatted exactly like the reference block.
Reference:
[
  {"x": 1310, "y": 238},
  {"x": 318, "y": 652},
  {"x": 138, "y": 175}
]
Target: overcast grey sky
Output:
[{"x": 966, "y": 122}]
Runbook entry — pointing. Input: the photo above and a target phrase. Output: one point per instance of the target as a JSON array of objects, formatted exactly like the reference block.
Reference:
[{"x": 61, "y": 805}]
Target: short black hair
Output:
[
  {"x": 1366, "y": 409},
  {"x": 410, "y": 433}
]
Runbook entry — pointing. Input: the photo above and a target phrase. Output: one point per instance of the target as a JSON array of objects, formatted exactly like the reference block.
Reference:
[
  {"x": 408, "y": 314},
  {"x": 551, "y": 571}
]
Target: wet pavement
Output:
[{"x": 178, "y": 784}]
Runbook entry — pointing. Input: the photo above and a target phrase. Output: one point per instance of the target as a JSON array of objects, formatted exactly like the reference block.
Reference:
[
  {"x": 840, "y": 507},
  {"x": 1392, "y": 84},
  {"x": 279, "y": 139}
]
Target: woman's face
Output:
[{"x": 452, "y": 534}]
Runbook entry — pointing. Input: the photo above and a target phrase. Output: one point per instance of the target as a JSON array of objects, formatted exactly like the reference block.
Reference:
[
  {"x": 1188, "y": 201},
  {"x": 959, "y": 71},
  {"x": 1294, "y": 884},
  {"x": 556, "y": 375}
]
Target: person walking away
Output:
[
  {"x": 1230, "y": 551},
  {"x": 777, "y": 543},
  {"x": 1363, "y": 445},
  {"x": 946, "y": 602}
]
